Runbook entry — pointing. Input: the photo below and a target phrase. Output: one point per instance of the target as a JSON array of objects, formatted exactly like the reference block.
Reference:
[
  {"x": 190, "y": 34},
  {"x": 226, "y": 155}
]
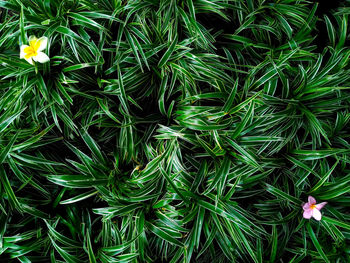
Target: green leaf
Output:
[
  {"x": 324, "y": 178},
  {"x": 11, "y": 197},
  {"x": 79, "y": 66},
  {"x": 91, "y": 254},
  {"x": 168, "y": 53},
  {"x": 316, "y": 243},
  {"x": 8, "y": 148},
  {"x": 21, "y": 24},
  {"x": 163, "y": 234},
  {"x": 79, "y": 198},
  {"x": 76, "y": 181},
  {"x": 278, "y": 193},
  {"x": 336, "y": 222}
]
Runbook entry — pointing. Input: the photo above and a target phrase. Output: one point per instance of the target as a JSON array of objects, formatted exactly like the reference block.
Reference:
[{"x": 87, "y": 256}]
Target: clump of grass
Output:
[{"x": 174, "y": 131}]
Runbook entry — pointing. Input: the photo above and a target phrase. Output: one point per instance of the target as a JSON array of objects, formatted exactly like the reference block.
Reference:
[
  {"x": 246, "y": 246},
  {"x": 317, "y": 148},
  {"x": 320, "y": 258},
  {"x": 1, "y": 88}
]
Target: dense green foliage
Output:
[{"x": 175, "y": 131}]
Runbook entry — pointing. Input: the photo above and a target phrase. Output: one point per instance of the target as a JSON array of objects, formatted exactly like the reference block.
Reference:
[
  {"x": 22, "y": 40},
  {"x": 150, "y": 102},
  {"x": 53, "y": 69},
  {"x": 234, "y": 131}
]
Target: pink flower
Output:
[{"x": 311, "y": 209}]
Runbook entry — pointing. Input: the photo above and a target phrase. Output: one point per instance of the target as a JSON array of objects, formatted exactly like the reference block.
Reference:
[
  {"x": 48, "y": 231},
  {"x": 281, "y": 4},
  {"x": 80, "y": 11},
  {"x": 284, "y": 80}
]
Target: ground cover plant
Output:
[{"x": 174, "y": 131}]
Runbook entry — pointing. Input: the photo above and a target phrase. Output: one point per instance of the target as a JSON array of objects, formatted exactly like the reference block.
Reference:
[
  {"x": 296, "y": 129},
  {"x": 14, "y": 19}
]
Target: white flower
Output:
[
  {"x": 311, "y": 209},
  {"x": 33, "y": 51}
]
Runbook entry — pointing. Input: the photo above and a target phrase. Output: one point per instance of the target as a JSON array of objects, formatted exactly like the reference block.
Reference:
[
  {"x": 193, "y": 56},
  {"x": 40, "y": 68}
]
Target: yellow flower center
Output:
[
  {"x": 312, "y": 206},
  {"x": 32, "y": 50}
]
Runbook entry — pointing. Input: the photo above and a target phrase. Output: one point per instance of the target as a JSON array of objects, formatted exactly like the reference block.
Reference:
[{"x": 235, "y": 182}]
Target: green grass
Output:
[{"x": 175, "y": 131}]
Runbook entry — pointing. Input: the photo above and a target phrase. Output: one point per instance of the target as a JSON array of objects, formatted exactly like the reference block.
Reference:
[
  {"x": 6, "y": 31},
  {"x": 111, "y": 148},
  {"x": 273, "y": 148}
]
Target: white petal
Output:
[
  {"x": 32, "y": 37},
  {"x": 43, "y": 43},
  {"x": 316, "y": 214},
  {"x": 30, "y": 60},
  {"x": 41, "y": 57},
  {"x": 22, "y": 54}
]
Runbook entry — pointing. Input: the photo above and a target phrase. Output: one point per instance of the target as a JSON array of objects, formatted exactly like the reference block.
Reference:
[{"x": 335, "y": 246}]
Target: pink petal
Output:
[
  {"x": 308, "y": 213},
  {"x": 306, "y": 206},
  {"x": 320, "y": 205},
  {"x": 316, "y": 214},
  {"x": 311, "y": 200}
]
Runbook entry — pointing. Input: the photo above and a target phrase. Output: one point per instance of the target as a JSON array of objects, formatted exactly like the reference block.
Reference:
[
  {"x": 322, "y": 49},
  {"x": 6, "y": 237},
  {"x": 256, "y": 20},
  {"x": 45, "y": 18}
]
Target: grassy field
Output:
[{"x": 174, "y": 131}]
